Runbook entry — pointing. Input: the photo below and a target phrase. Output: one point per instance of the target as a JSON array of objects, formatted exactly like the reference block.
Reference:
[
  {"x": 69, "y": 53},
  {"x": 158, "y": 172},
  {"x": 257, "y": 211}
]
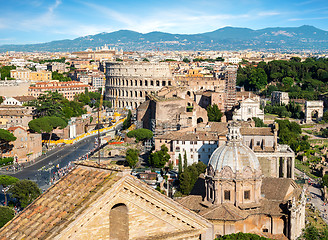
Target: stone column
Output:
[
  {"x": 285, "y": 168},
  {"x": 293, "y": 168}
]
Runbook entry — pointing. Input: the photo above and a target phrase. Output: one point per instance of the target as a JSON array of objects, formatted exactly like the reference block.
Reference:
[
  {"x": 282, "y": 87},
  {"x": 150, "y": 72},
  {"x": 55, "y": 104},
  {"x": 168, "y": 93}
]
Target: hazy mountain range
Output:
[{"x": 227, "y": 38}]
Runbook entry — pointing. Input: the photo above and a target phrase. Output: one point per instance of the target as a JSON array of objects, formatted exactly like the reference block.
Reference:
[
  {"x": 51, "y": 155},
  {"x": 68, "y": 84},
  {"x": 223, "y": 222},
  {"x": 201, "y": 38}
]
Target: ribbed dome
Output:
[{"x": 234, "y": 153}]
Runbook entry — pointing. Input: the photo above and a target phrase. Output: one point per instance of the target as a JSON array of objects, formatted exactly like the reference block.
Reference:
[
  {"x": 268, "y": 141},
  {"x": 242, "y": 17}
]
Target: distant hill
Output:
[{"x": 227, "y": 38}]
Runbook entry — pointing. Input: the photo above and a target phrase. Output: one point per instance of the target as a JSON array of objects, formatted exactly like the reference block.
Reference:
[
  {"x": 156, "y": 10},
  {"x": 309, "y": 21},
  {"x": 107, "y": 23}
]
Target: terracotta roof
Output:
[
  {"x": 57, "y": 204},
  {"x": 276, "y": 188},
  {"x": 14, "y": 128},
  {"x": 258, "y": 131},
  {"x": 24, "y": 98},
  {"x": 57, "y": 210},
  {"x": 225, "y": 212}
]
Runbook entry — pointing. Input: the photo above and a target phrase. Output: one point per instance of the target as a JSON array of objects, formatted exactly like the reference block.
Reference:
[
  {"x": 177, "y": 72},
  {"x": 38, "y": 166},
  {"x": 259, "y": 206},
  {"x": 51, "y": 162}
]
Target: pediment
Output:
[{"x": 150, "y": 214}]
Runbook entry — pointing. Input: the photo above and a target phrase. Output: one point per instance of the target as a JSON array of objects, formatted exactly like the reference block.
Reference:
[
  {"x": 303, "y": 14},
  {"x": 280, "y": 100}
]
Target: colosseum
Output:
[{"x": 128, "y": 83}]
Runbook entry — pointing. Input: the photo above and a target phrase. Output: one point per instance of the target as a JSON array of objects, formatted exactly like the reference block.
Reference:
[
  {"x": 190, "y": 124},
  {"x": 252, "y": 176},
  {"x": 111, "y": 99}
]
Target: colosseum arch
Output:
[
  {"x": 135, "y": 94},
  {"x": 135, "y": 82},
  {"x": 140, "y": 94},
  {"x": 157, "y": 83},
  {"x": 131, "y": 94},
  {"x": 163, "y": 83},
  {"x": 131, "y": 83},
  {"x": 119, "y": 222},
  {"x": 146, "y": 83},
  {"x": 127, "y": 82},
  {"x": 151, "y": 83},
  {"x": 140, "y": 83}
]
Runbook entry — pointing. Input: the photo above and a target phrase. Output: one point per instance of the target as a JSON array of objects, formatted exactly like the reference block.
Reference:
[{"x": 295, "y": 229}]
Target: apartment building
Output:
[{"x": 67, "y": 89}]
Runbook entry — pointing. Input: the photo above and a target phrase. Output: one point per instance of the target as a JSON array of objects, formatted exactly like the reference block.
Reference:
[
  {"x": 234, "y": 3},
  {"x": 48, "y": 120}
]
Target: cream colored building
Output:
[
  {"x": 102, "y": 202},
  {"x": 27, "y": 74},
  {"x": 236, "y": 197}
]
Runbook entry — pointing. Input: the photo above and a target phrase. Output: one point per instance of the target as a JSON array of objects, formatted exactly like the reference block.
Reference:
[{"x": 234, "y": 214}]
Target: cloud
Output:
[{"x": 306, "y": 19}]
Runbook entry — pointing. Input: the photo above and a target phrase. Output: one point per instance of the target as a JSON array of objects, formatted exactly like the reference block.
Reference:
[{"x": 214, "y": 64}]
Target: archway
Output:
[
  {"x": 314, "y": 115},
  {"x": 119, "y": 222},
  {"x": 200, "y": 120},
  {"x": 188, "y": 93}
]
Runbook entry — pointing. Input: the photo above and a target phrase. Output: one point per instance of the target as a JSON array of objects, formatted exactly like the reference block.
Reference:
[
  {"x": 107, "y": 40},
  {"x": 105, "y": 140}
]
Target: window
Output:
[
  {"x": 258, "y": 143},
  {"x": 247, "y": 195},
  {"x": 227, "y": 195},
  {"x": 265, "y": 230}
]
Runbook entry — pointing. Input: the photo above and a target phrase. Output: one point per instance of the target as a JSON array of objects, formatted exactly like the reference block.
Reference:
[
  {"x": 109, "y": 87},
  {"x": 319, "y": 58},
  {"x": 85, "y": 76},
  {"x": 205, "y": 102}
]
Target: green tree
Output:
[
  {"x": 127, "y": 122},
  {"x": 241, "y": 236},
  {"x": 186, "y": 60},
  {"x": 132, "y": 157},
  {"x": 6, "y": 214},
  {"x": 325, "y": 116},
  {"x": 25, "y": 191},
  {"x": 159, "y": 158},
  {"x": 47, "y": 125},
  {"x": 60, "y": 77},
  {"x": 6, "y": 181},
  {"x": 258, "y": 78},
  {"x": 140, "y": 134},
  {"x": 180, "y": 164},
  {"x": 5, "y": 72},
  {"x": 185, "y": 161},
  {"x": 1, "y": 99},
  {"x": 214, "y": 114},
  {"x": 311, "y": 233},
  {"x": 189, "y": 177},
  {"x": 325, "y": 180},
  {"x": 5, "y": 138},
  {"x": 259, "y": 122}
]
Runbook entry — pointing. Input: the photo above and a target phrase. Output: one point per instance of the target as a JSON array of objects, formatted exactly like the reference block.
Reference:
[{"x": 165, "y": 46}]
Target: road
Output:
[
  {"x": 316, "y": 198},
  {"x": 42, "y": 171}
]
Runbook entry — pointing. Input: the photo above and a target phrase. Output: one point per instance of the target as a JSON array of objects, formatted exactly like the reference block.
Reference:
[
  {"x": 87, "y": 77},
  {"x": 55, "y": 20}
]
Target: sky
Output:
[{"x": 36, "y": 21}]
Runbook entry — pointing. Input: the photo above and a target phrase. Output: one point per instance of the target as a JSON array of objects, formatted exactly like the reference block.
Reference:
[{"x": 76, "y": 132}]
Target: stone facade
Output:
[
  {"x": 99, "y": 202},
  {"x": 236, "y": 197},
  {"x": 198, "y": 143},
  {"x": 27, "y": 147},
  {"x": 127, "y": 84},
  {"x": 313, "y": 111},
  {"x": 163, "y": 114},
  {"x": 279, "y": 98},
  {"x": 248, "y": 109}
]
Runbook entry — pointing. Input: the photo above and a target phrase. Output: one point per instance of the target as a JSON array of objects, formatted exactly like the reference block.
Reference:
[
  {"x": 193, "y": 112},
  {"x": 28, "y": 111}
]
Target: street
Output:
[
  {"x": 43, "y": 171},
  {"x": 316, "y": 198}
]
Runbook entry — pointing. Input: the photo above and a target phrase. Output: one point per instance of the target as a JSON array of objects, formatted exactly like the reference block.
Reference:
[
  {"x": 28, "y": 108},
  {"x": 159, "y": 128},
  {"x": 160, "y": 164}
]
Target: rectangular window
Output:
[
  {"x": 227, "y": 195},
  {"x": 247, "y": 195}
]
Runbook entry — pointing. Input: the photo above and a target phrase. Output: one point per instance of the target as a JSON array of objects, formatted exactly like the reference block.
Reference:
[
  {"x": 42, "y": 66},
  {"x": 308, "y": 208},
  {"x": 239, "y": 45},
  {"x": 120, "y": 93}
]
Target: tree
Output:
[
  {"x": 311, "y": 233},
  {"x": 6, "y": 214},
  {"x": 1, "y": 99},
  {"x": 127, "y": 122},
  {"x": 5, "y": 138},
  {"x": 325, "y": 116},
  {"x": 132, "y": 157},
  {"x": 6, "y": 181},
  {"x": 180, "y": 164},
  {"x": 185, "y": 161},
  {"x": 47, "y": 125},
  {"x": 159, "y": 158},
  {"x": 241, "y": 236},
  {"x": 189, "y": 177},
  {"x": 25, "y": 191},
  {"x": 258, "y": 122},
  {"x": 258, "y": 78},
  {"x": 186, "y": 60},
  {"x": 325, "y": 180},
  {"x": 140, "y": 134},
  {"x": 214, "y": 114}
]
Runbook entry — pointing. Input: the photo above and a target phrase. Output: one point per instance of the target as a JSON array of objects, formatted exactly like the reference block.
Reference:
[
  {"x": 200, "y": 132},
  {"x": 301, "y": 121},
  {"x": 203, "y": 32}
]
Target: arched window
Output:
[
  {"x": 140, "y": 83},
  {"x": 119, "y": 222}
]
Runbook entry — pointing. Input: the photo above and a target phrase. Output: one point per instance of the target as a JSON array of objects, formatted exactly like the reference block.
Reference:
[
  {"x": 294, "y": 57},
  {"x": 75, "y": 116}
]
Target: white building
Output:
[{"x": 248, "y": 109}]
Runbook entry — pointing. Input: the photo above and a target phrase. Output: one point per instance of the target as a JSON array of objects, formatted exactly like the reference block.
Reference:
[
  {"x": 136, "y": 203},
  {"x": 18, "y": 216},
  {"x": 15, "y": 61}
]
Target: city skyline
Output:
[{"x": 43, "y": 21}]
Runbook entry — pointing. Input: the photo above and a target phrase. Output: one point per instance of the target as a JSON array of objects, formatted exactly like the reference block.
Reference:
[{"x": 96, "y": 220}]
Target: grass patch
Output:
[
  {"x": 314, "y": 218},
  {"x": 300, "y": 166}
]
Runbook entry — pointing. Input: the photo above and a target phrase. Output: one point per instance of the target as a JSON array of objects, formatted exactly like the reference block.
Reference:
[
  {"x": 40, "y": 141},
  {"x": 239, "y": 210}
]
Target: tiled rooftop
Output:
[{"x": 60, "y": 203}]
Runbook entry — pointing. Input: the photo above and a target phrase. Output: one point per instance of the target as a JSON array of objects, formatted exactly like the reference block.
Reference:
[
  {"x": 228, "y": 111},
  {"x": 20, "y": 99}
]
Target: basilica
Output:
[{"x": 235, "y": 196}]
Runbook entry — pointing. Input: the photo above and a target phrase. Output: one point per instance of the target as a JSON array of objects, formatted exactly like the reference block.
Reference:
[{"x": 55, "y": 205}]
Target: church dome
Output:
[{"x": 234, "y": 153}]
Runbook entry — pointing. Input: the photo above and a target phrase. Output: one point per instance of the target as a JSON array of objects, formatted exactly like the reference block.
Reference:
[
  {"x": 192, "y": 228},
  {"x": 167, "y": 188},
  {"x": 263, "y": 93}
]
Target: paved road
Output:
[
  {"x": 316, "y": 198},
  {"x": 42, "y": 171}
]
